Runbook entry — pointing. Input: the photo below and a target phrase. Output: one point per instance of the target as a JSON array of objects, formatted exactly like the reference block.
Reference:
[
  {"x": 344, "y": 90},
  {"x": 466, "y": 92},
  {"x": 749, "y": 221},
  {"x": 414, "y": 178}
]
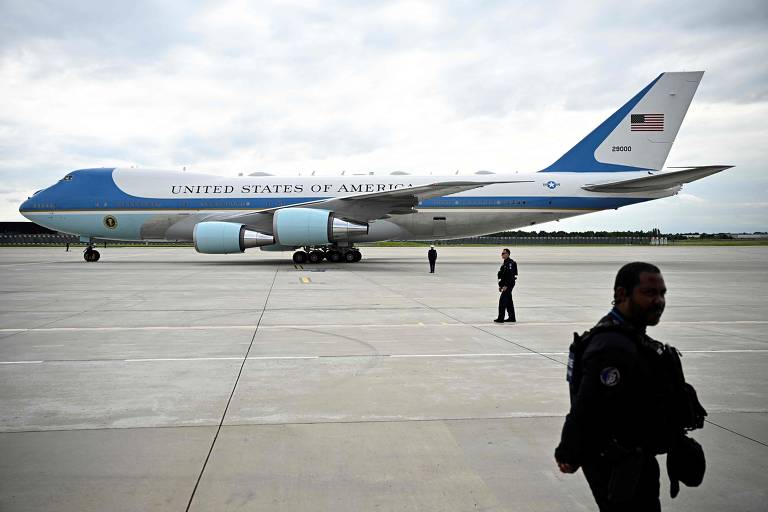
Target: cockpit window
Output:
[{"x": 68, "y": 177}]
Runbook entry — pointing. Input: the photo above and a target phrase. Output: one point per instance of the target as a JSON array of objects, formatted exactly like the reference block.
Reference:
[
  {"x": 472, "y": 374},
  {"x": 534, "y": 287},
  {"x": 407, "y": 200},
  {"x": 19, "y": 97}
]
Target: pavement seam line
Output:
[
  {"x": 72, "y": 314},
  {"x": 479, "y": 328},
  {"x": 232, "y": 394},
  {"x": 352, "y": 422},
  {"x": 737, "y": 433},
  {"x": 519, "y": 345},
  {"x": 19, "y": 330},
  {"x": 375, "y": 353}
]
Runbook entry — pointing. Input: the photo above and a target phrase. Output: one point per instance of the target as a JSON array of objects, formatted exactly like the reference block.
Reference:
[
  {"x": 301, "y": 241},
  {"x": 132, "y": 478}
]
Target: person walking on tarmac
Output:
[
  {"x": 630, "y": 402},
  {"x": 432, "y": 257},
  {"x": 507, "y": 276}
]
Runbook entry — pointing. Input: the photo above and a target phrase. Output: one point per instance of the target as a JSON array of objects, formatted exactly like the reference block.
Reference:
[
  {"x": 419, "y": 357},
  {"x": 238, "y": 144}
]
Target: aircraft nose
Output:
[{"x": 25, "y": 206}]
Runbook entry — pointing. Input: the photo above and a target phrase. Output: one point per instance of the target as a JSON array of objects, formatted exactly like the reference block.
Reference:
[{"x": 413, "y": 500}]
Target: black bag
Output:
[
  {"x": 685, "y": 463},
  {"x": 685, "y": 458},
  {"x": 573, "y": 372},
  {"x": 688, "y": 412}
]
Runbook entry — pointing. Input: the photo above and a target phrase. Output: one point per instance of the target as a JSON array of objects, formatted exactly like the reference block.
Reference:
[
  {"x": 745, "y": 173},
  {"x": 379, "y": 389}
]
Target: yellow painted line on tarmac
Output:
[{"x": 305, "y": 280}]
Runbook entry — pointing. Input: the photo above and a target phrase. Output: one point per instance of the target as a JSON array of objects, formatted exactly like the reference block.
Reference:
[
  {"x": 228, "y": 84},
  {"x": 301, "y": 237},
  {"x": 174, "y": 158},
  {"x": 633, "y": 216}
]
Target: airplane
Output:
[{"x": 619, "y": 163}]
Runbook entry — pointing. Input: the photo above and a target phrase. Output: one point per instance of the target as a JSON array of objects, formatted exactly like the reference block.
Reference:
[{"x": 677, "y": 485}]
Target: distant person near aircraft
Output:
[
  {"x": 630, "y": 402},
  {"x": 432, "y": 256},
  {"x": 507, "y": 275}
]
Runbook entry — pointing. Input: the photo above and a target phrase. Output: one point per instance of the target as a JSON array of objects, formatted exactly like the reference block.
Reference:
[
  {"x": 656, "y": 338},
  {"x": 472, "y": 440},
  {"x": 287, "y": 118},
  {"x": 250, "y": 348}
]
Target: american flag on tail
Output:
[{"x": 646, "y": 123}]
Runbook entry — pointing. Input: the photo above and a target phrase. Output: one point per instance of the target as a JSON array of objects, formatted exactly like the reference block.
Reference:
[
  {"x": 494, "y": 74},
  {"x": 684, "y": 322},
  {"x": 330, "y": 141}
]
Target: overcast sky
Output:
[{"x": 238, "y": 86}]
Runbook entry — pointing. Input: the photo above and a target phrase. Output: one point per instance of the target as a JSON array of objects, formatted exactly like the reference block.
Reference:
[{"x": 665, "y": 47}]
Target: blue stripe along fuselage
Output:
[{"x": 95, "y": 190}]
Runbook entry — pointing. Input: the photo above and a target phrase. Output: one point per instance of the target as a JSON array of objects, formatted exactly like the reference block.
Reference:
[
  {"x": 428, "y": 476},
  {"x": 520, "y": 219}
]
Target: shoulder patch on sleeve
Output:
[{"x": 610, "y": 376}]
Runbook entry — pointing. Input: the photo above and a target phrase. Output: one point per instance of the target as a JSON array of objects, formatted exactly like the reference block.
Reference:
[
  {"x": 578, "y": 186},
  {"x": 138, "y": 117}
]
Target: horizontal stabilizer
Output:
[{"x": 659, "y": 181}]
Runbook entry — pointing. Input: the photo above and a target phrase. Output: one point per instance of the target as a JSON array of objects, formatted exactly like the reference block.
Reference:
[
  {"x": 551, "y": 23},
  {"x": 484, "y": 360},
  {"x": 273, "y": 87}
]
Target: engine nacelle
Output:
[
  {"x": 226, "y": 237},
  {"x": 299, "y": 227}
]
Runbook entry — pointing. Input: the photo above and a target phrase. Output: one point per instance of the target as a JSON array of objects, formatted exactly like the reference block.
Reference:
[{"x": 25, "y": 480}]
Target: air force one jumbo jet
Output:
[{"x": 619, "y": 163}]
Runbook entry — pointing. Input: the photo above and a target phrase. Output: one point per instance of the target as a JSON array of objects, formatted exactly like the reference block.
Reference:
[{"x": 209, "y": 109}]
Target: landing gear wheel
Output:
[
  {"x": 315, "y": 257},
  {"x": 299, "y": 257},
  {"x": 91, "y": 255},
  {"x": 334, "y": 256},
  {"x": 358, "y": 256},
  {"x": 349, "y": 257}
]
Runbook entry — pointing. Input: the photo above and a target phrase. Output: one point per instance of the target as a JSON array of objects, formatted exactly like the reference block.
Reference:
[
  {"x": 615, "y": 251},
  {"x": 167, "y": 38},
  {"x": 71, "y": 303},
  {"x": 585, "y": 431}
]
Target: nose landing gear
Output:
[{"x": 90, "y": 254}]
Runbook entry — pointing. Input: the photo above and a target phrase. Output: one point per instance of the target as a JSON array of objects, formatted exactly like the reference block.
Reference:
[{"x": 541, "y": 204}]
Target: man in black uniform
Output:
[
  {"x": 507, "y": 276},
  {"x": 432, "y": 257},
  {"x": 623, "y": 406}
]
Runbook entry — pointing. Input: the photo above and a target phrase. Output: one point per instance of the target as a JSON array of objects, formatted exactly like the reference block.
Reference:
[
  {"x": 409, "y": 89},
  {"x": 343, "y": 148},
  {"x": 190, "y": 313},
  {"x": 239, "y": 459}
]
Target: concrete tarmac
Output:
[{"x": 162, "y": 379}]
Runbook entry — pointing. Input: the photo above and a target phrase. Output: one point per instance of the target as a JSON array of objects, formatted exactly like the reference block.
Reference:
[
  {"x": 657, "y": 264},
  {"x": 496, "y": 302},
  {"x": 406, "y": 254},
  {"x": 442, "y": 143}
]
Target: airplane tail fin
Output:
[{"x": 640, "y": 134}]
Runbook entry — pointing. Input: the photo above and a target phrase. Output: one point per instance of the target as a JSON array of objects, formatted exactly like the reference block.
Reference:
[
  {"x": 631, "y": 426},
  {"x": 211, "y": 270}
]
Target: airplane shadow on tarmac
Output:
[{"x": 380, "y": 262}]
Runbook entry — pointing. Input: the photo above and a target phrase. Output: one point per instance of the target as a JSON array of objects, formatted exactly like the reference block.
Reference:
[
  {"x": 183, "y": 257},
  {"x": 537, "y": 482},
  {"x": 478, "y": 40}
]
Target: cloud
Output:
[
  {"x": 83, "y": 34},
  {"x": 691, "y": 198},
  {"x": 236, "y": 86}
]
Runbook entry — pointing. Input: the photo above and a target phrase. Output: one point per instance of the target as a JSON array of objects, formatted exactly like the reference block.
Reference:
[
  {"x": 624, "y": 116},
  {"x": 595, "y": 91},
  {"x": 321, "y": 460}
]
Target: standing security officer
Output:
[
  {"x": 507, "y": 276},
  {"x": 432, "y": 257},
  {"x": 630, "y": 402}
]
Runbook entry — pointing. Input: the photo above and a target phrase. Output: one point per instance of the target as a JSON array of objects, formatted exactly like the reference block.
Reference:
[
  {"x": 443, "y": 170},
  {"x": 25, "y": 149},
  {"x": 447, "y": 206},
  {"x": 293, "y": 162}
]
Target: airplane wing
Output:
[
  {"x": 658, "y": 181},
  {"x": 371, "y": 205}
]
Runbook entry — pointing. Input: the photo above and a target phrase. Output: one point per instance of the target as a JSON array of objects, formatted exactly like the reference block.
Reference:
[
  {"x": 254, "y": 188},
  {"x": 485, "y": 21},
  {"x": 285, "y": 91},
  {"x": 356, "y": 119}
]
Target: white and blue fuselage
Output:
[
  {"x": 617, "y": 164},
  {"x": 136, "y": 204}
]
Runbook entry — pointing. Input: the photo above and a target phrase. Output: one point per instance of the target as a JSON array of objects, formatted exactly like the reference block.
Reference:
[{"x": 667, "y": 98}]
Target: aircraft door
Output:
[{"x": 439, "y": 227}]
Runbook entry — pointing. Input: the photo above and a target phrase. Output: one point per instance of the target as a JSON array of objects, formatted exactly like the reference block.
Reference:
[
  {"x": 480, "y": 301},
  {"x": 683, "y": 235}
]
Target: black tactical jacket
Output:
[
  {"x": 507, "y": 273},
  {"x": 623, "y": 395}
]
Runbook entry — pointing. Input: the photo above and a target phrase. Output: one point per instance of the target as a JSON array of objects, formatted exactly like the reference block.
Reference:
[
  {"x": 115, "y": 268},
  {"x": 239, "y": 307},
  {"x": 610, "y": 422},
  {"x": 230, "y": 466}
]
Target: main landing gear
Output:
[
  {"x": 90, "y": 254},
  {"x": 333, "y": 254}
]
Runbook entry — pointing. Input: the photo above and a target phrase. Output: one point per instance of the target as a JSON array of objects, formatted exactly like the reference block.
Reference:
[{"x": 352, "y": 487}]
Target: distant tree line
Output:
[
  {"x": 612, "y": 234},
  {"x": 702, "y": 236}
]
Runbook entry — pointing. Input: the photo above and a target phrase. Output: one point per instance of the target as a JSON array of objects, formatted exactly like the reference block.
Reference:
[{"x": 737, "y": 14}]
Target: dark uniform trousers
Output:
[
  {"x": 646, "y": 495},
  {"x": 507, "y": 276},
  {"x": 506, "y": 303},
  {"x": 432, "y": 256}
]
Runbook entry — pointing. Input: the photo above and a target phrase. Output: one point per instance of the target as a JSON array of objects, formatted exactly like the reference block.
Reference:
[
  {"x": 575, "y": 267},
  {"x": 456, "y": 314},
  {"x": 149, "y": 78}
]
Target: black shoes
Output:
[{"x": 501, "y": 320}]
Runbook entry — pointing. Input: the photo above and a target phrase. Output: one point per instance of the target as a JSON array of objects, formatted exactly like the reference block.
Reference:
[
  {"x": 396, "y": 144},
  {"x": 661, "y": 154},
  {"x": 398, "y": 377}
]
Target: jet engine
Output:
[
  {"x": 226, "y": 237},
  {"x": 299, "y": 227}
]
